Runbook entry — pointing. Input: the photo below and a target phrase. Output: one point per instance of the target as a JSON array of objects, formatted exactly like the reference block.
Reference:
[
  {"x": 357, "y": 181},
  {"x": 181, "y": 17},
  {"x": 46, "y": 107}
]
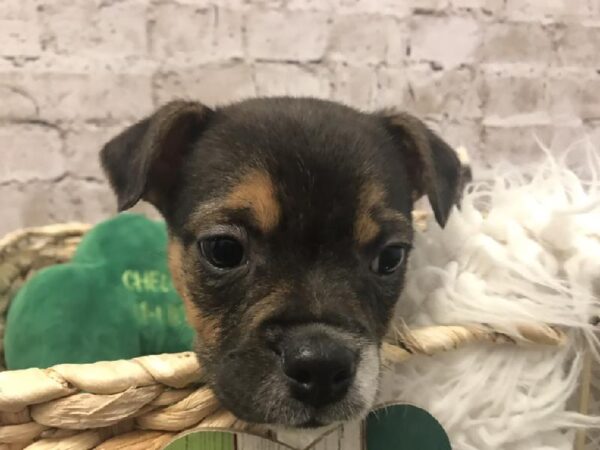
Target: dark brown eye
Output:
[
  {"x": 388, "y": 260},
  {"x": 222, "y": 252}
]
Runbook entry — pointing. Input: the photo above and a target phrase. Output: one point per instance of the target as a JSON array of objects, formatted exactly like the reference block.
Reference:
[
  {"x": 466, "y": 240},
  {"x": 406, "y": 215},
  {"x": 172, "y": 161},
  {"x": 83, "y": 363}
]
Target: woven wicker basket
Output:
[{"x": 145, "y": 402}]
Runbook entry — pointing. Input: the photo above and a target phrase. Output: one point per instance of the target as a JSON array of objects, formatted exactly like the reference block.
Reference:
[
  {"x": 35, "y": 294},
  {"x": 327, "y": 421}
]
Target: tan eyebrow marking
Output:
[
  {"x": 403, "y": 222},
  {"x": 256, "y": 192},
  {"x": 365, "y": 227},
  {"x": 391, "y": 215}
]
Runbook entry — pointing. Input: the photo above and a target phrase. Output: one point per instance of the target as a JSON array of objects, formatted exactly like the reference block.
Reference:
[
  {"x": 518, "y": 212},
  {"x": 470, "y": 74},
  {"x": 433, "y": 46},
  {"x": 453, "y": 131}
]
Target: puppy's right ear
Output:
[{"x": 144, "y": 160}]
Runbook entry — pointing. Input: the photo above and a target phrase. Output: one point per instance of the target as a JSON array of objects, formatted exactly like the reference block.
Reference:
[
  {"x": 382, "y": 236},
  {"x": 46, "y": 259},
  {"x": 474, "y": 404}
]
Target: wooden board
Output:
[
  {"x": 391, "y": 427},
  {"x": 205, "y": 440}
]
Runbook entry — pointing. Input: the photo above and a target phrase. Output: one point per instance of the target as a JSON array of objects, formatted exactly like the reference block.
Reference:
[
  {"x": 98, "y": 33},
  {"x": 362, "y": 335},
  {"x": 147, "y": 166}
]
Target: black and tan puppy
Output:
[{"x": 290, "y": 225}]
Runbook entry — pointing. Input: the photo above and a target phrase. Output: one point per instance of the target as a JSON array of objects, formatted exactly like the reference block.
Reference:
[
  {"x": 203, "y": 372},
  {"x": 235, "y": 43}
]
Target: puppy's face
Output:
[{"x": 290, "y": 226}]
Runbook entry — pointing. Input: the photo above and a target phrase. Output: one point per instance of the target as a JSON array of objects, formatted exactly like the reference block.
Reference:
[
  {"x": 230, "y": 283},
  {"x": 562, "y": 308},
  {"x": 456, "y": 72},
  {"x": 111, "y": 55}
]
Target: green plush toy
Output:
[{"x": 114, "y": 300}]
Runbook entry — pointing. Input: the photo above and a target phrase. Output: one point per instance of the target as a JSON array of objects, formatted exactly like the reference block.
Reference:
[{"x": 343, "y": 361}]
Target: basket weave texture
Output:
[{"x": 145, "y": 402}]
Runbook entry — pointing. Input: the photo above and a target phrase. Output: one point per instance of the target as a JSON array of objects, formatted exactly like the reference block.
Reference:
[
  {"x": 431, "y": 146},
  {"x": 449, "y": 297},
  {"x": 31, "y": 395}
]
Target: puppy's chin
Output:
[{"x": 265, "y": 397}]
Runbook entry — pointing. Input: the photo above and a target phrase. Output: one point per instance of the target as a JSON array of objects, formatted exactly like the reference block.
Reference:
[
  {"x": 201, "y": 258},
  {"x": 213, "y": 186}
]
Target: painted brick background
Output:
[{"x": 490, "y": 74}]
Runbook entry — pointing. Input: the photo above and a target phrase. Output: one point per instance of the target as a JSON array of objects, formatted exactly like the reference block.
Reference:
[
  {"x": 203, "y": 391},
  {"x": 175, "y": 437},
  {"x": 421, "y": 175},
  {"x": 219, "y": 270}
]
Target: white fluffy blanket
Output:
[{"x": 524, "y": 247}]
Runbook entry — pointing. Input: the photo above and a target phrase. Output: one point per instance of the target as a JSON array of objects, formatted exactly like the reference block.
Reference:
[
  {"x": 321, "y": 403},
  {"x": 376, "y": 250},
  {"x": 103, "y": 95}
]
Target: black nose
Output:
[{"x": 318, "y": 367}]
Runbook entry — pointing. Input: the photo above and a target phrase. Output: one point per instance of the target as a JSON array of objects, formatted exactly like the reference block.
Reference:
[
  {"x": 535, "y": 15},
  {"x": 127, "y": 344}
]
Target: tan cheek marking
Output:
[
  {"x": 365, "y": 227},
  {"x": 257, "y": 192},
  {"x": 207, "y": 327},
  {"x": 268, "y": 307}
]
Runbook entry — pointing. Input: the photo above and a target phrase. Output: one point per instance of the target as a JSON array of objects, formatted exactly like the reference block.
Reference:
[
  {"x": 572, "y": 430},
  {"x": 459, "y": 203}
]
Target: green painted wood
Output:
[
  {"x": 204, "y": 440},
  {"x": 404, "y": 427}
]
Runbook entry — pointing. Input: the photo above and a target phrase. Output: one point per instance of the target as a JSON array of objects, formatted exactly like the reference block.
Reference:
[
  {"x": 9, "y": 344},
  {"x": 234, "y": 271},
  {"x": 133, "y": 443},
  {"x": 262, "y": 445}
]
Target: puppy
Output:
[{"x": 290, "y": 227}]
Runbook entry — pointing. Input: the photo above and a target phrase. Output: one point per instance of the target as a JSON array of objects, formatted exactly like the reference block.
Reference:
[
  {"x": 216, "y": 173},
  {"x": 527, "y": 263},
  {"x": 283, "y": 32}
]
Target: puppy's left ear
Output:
[{"x": 432, "y": 165}]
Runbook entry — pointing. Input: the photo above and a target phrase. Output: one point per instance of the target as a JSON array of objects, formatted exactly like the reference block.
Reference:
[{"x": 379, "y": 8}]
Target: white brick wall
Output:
[{"x": 487, "y": 73}]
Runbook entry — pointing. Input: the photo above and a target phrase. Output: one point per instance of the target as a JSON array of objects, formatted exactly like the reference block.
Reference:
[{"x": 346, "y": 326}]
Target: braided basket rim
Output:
[{"x": 152, "y": 394}]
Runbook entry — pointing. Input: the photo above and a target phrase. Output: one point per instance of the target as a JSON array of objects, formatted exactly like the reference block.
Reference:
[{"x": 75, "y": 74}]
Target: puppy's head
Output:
[{"x": 290, "y": 226}]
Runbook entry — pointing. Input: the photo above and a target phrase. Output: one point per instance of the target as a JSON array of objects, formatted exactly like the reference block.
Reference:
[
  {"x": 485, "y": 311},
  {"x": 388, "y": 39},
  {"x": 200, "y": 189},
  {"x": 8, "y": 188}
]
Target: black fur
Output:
[{"x": 319, "y": 156}]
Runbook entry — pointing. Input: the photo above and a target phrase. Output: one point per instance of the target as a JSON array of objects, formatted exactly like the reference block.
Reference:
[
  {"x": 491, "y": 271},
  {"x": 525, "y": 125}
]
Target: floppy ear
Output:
[
  {"x": 143, "y": 161},
  {"x": 433, "y": 166}
]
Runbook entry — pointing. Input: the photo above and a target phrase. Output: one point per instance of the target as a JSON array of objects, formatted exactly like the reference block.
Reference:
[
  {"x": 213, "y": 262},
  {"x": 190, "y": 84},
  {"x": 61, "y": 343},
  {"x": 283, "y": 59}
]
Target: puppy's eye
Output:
[
  {"x": 222, "y": 252},
  {"x": 388, "y": 260}
]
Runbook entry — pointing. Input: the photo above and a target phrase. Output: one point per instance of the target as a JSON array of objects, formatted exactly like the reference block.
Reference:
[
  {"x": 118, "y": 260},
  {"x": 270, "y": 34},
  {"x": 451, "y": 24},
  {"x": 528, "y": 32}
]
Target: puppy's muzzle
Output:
[{"x": 319, "y": 367}]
